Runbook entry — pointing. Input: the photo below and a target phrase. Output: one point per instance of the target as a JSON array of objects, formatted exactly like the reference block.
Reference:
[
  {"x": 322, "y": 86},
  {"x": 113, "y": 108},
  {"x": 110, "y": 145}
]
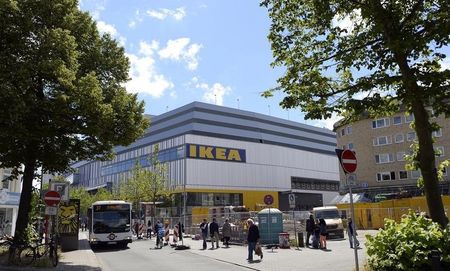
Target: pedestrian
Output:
[
  {"x": 226, "y": 233},
  {"x": 204, "y": 229},
  {"x": 310, "y": 225},
  {"x": 351, "y": 231},
  {"x": 214, "y": 232},
  {"x": 252, "y": 238},
  {"x": 136, "y": 228},
  {"x": 323, "y": 233},
  {"x": 149, "y": 229},
  {"x": 159, "y": 231}
]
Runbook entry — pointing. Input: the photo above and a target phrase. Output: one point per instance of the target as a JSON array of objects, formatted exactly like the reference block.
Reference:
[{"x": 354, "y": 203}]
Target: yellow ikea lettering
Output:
[
  {"x": 206, "y": 152},
  {"x": 220, "y": 154},
  {"x": 234, "y": 155},
  {"x": 193, "y": 150}
]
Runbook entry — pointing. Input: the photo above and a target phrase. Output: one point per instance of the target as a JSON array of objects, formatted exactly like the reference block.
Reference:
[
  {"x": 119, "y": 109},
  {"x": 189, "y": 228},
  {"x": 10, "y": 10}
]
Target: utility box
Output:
[{"x": 270, "y": 225}]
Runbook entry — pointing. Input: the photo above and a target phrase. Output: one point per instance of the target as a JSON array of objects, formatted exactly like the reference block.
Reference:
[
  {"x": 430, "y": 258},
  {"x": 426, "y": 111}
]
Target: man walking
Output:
[
  {"x": 214, "y": 231},
  {"x": 204, "y": 229},
  {"x": 252, "y": 238},
  {"x": 310, "y": 225},
  {"x": 351, "y": 231}
]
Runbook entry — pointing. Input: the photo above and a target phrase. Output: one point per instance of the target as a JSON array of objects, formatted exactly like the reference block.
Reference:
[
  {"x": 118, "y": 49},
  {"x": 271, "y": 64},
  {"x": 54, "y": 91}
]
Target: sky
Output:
[{"x": 198, "y": 50}]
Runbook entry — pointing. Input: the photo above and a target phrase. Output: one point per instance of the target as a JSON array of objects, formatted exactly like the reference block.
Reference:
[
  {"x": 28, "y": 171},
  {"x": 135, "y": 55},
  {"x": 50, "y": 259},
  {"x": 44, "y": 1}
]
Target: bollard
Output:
[
  {"x": 435, "y": 260},
  {"x": 300, "y": 239}
]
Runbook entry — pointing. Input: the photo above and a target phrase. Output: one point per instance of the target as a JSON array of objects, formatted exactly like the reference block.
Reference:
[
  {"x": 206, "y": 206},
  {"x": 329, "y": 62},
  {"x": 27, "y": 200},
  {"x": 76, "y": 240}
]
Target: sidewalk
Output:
[
  {"x": 338, "y": 256},
  {"x": 82, "y": 259}
]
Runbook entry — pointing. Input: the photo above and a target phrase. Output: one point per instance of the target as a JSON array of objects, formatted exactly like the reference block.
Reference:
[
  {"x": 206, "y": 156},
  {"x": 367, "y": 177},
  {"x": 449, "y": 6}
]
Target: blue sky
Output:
[{"x": 199, "y": 50}]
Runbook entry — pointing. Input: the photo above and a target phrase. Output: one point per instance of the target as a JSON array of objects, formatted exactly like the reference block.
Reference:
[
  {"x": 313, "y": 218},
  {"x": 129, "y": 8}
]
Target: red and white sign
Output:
[
  {"x": 348, "y": 161},
  {"x": 52, "y": 198}
]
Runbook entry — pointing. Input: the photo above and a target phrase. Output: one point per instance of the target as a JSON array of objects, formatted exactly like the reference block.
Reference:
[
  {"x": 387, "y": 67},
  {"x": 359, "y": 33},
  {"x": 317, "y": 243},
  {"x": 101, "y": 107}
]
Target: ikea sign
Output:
[{"x": 215, "y": 153}]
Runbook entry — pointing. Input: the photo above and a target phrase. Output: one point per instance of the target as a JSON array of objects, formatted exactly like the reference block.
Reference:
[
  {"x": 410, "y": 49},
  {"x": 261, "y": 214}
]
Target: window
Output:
[
  {"x": 410, "y": 136},
  {"x": 343, "y": 132},
  {"x": 349, "y": 130},
  {"x": 409, "y": 118},
  {"x": 399, "y": 138},
  {"x": 397, "y": 120},
  {"x": 350, "y": 146},
  {"x": 382, "y": 140},
  {"x": 415, "y": 174},
  {"x": 403, "y": 174},
  {"x": 384, "y": 158},
  {"x": 5, "y": 184},
  {"x": 437, "y": 133},
  {"x": 401, "y": 156},
  {"x": 439, "y": 151},
  {"x": 386, "y": 176},
  {"x": 445, "y": 171},
  {"x": 380, "y": 123}
]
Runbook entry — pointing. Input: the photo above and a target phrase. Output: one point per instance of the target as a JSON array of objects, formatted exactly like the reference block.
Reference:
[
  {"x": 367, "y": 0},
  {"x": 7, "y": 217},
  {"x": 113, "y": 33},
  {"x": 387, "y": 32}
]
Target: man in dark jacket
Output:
[
  {"x": 214, "y": 232},
  {"x": 310, "y": 225},
  {"x": 204, "y": 229},
  {"x": 252, "y": 238}
]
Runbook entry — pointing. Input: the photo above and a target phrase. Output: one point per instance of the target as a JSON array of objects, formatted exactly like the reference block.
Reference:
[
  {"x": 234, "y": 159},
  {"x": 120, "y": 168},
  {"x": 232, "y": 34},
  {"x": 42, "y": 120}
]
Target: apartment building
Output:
[
  {"x": 381, "y": 145},
  {"x": 9, "y": 202}
]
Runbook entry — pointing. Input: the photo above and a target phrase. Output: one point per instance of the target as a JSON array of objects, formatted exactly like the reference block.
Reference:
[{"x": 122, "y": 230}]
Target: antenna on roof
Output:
[
  {"x": 167, "y": 108},
  {"x": 269, "y": 108},
  {"x": 237, "y": 103}
]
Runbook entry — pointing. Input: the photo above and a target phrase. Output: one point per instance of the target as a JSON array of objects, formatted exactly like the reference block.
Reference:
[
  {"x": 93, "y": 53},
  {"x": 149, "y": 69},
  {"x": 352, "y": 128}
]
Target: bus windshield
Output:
[{"x": 108, "y": 220}]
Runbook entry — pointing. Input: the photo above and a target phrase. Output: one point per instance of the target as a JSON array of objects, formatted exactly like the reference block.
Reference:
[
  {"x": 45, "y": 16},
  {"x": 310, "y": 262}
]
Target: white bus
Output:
[{"x": 109, "y": 223}]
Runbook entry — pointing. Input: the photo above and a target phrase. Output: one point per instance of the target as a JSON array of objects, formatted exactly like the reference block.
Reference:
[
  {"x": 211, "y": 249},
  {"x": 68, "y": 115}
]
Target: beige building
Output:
[
  {"x": 9, "y": 202},
  {"x": 380, "y": 146}
]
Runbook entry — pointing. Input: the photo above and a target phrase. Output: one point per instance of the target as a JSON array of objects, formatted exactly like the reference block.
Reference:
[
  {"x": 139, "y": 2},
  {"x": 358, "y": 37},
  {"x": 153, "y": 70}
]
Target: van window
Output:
[{"x": 327, "y": 214}]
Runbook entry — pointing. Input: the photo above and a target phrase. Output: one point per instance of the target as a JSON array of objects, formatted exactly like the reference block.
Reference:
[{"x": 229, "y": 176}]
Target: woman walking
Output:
[{"x": 323, "y": 233}]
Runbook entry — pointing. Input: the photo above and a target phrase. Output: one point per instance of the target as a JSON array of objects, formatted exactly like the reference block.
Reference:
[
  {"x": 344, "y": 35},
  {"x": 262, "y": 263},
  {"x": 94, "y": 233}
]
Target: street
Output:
[{"x": 141, "y": 255}]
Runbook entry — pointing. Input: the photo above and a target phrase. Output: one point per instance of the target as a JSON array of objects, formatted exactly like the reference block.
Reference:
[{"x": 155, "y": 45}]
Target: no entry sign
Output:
[
  {"x": 52, "y": 198},
  {"x": 348, "y": 161}
]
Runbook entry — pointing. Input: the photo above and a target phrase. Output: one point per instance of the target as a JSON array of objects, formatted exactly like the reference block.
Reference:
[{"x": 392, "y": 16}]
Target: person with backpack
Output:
[{"x": 159, "y": 230}]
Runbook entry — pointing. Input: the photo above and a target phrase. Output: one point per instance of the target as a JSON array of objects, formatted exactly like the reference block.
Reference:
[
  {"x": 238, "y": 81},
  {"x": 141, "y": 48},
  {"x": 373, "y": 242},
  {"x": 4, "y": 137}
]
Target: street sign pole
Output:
[{"x": 352, "y": 210}]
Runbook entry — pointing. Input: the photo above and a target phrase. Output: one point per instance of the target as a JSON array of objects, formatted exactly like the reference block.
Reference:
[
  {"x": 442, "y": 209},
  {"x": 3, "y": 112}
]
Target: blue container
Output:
[{"x": 270, "y": 223}]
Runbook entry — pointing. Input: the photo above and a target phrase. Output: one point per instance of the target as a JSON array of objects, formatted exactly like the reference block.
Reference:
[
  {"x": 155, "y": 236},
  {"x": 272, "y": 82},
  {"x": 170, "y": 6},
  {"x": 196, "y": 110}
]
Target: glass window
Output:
[
  {"x": 350, "y": 146},
  {"x": 401, "y": 156},
  {"x": 385, "y": 176},
  {"x": 403, "y": 174},
  {"x": 384, "y": 158},
  {"x": 415, "y": 174},
  {"x": 343, "y": 132},
  {"x": 397, "y": 120},
  {"x": 409, "y": 118},
  {"x": 410, "y": 136},
  {"x": 380, "y": 123},
  {"x": 437, "y": 133},
  {"x": 349, "y": 130},
  {"x": 399, "y": 138},
  {"x": 382, "y": 140}
]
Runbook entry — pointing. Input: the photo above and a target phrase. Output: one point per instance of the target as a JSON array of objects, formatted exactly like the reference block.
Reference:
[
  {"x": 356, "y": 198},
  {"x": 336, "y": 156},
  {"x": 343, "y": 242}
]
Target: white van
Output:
[{"x": 332, "y": 218}]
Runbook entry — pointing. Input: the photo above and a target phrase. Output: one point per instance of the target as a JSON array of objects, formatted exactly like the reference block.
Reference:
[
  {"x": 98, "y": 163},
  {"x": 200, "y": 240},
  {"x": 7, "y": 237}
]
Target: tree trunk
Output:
[
  {"x": 427, "y": 164},
  {"x": 24, "y": 206}
]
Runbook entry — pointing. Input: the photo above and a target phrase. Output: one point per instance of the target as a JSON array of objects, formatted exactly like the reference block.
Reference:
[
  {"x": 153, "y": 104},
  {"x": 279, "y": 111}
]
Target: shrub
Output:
[{"x": 407, "y": 245}]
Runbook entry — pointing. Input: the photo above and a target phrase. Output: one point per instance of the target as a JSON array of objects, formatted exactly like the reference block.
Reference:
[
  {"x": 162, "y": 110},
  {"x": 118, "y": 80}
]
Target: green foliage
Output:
[
  {"x": 146, "y": 184},
  {"x": 407, "y": 245},
  {"x": 366, "y": 58},
  {"x": 63, "y": 83}
]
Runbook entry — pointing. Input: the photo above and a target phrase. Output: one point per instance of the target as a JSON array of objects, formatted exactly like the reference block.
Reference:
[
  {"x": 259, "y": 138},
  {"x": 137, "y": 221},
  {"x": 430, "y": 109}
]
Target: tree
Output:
[
  {"x": 83, "y": 195},
  {"x": 146, "y": 184},
  {"x": 63, "y": 86},
  {"x": 389, "y": 57}
]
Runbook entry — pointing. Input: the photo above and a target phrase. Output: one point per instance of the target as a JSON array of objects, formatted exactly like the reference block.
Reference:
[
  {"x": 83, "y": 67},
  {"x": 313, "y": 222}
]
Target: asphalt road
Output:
[{"x": 141, "y": 255}]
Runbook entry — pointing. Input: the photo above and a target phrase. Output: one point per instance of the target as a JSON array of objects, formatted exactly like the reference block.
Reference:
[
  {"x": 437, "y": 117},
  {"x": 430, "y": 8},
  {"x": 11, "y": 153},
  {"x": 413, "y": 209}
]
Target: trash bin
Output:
[{"x": 284, "y": 240}]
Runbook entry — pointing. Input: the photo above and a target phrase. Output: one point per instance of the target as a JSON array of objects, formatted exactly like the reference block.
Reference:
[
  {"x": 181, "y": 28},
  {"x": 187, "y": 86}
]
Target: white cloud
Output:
[
  {"x": 138, "y": 18},
  {"x": 110, "y": 29},
  {"x": 180, "y": 49},
  {"x": 212, "y": 94},
  {"x": 161, "y": 14},
  {"x": 144, "y": 77}
]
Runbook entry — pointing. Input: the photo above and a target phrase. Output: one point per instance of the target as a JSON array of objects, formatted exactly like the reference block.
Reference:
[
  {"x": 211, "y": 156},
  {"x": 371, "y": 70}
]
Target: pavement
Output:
[
  {"x": 338, "y": 254},
  {"x": 83, "y": 259}
]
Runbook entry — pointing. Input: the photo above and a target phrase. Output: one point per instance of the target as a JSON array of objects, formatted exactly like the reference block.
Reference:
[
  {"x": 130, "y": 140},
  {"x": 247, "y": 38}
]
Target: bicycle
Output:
[
  {"x": 30, "y": 253},
  {"x": 7, "y": 242}
]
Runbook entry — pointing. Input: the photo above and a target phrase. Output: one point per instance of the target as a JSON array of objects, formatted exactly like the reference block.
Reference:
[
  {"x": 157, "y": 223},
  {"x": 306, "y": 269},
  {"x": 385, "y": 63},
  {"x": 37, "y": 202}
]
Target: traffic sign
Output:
[
  {"x": 291, "y": 200},
  {"x": 268, "y": 199},
  {"x": 52, "y": 198},
  {"x": 51, "y": 210},
  {"x": 348, "y": 161}
]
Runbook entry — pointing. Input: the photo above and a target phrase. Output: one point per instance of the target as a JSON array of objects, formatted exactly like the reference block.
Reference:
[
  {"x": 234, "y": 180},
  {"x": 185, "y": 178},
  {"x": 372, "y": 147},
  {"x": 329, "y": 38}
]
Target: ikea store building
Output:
[{"x": 223, "y": 156}]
